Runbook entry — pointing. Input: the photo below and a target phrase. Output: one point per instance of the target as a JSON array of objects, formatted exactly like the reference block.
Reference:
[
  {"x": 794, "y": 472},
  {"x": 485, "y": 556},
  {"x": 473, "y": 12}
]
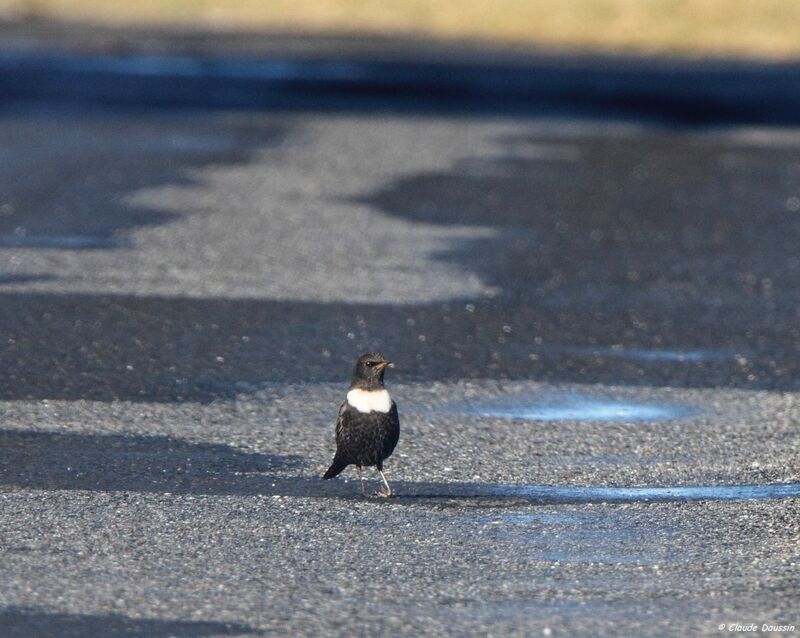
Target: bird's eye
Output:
[{"x": 370, "y": 363}]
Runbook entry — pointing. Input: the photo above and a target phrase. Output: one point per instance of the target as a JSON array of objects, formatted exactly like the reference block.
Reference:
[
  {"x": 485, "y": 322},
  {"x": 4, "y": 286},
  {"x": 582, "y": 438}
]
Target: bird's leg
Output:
[
  {"x": 388, "y": 491},
  {"x": 361, "y": 480}
]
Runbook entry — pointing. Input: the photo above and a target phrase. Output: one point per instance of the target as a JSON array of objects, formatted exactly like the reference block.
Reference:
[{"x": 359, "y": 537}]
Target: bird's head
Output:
[{"x": 369, "y": 370}]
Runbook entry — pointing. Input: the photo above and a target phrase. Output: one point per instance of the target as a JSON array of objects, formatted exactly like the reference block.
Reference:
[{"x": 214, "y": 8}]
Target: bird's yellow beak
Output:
[{"x": 382, "y": 365}]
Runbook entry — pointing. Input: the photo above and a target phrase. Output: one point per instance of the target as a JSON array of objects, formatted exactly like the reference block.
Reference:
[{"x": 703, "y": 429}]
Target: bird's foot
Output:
[{"x": 383, "y": 494}]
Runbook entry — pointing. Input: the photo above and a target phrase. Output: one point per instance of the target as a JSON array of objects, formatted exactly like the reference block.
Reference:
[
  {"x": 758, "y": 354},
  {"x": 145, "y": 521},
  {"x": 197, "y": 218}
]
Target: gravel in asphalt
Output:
[{"x": 575, "y": 308}]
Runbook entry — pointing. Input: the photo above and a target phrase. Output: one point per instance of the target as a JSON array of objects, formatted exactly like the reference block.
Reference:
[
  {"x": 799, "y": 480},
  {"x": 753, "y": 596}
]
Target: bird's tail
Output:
[{"x": 335, "y": 469}]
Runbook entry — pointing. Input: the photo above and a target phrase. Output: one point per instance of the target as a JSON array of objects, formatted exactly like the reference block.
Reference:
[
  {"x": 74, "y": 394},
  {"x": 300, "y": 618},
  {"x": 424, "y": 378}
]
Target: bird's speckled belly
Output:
[{"x": 368, "y": 438}]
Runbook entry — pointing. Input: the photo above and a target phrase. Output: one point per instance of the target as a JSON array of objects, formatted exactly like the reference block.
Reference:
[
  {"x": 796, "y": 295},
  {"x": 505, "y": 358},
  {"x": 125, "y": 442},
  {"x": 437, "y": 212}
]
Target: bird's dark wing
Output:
[
  {"x": 340, "y": 419},
  {"x": 338, "y": 463},
  {"x": 393, "y": 433}
]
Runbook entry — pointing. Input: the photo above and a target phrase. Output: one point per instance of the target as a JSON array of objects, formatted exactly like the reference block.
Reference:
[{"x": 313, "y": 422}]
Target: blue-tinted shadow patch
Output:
[
  {"x": 643, "y": 494},
  {"x": 68, "y": 242},
  {"x": 7, "y": 278},
  {"x": 573, "y": 406},
  {"x": 554, "y": 495},
  {"x": 640, "y": 354}
]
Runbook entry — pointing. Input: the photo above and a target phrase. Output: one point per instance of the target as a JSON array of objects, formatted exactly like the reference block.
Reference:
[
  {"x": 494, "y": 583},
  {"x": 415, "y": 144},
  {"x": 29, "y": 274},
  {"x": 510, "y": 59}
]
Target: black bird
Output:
[{"x": 368, "y": 427}]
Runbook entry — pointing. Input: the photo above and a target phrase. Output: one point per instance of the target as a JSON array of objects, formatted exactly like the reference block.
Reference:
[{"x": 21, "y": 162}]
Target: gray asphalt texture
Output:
[{"x": 576, "y": 308}]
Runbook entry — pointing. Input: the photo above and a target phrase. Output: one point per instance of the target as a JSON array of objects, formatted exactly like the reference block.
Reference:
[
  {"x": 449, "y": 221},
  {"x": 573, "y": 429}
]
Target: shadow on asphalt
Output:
[
  {"x": 407, "y": 77},
  {"x": 26, "y": 622},
  {"x": 665, "y": 241},
  {"x": 16, "y": 278},
  {"x": 94, "y": 462},
  {"x": 165, "y": 349},
  {"x": 56, "y": 460},
  {"x": 656, "y": 222},
  {"x": 75, "y": 199}
]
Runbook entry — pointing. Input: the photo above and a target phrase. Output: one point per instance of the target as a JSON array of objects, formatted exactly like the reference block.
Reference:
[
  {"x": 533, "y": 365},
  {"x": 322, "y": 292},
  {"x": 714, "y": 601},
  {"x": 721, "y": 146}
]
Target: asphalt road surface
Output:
[{"x": 595, "y": 328}]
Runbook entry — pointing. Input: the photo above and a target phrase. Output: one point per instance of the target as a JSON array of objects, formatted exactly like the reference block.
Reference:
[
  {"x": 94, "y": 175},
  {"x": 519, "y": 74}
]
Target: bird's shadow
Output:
[
  {"x": 26, "y": 622},
  {"x": 46, "y": 460}
]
